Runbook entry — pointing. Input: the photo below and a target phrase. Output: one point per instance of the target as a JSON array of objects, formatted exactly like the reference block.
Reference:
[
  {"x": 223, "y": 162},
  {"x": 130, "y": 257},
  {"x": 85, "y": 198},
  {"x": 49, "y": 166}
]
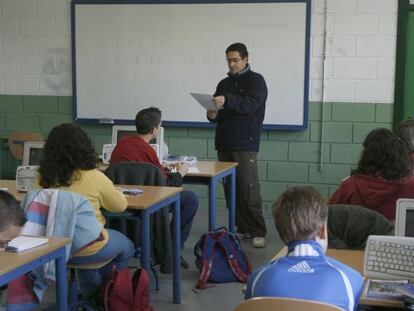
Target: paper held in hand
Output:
[
  {"x": 205, "y": 100},
  {"x": 22, "y": 243}
]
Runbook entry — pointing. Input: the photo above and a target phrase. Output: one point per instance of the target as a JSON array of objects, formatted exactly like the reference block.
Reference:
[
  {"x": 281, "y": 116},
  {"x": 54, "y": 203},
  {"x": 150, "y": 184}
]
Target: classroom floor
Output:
[{"x": 221, "y": 297}]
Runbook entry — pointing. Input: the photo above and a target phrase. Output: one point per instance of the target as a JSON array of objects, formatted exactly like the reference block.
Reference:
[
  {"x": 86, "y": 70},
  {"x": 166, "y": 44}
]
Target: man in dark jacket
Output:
[{"x": 240, "y": 99}]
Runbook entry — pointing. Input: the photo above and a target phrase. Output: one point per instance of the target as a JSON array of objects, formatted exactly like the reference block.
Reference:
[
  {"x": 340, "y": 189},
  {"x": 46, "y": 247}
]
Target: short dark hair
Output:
[
  {"x": 384, "y": 155},
  {"x": 10, "y": 211},
  {"x": 238, "y": 47},
  {"x": 299, "y": 214},
  {"x": 147, "y": 119},
  {"x": 67, "y": 149},
  {"x": 405, "y": 131}
]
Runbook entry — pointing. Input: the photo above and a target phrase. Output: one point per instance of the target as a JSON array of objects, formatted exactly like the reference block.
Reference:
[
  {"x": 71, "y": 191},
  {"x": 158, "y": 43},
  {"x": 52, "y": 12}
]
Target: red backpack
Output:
[{"x": 120, "y": 292}]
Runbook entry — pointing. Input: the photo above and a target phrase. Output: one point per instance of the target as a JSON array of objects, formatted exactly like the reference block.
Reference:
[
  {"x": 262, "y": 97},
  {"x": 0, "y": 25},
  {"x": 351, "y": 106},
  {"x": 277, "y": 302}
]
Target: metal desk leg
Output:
[
  {"x": 176, "y": 252},
  {"x": 232, "y": 211},
  {"x": 61, "y": 281},
  {"x": 145, "y": 240},
  {"x": 212, "y": 189}
]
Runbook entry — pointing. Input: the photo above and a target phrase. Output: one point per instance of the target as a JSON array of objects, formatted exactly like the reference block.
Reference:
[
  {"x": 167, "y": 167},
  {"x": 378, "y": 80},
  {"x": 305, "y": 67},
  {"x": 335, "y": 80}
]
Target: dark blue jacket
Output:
[{"x": 240, "y": 122}]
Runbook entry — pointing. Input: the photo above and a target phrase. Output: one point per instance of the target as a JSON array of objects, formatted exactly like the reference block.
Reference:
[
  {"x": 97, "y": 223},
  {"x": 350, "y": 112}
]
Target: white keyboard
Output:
[{"x": 389, "y": 257}]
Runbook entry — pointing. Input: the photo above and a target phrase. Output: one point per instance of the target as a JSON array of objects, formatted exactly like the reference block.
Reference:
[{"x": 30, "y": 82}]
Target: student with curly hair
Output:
[
  {"x": 69, "y": 163},
  {"x": 382, "y": 177},
  {"x": 405, "y": 131}
]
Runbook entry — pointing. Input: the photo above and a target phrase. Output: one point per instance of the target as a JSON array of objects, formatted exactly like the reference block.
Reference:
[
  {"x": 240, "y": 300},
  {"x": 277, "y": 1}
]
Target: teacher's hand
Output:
[
  {"x": 212, "y": 114},
  {"x": 219, "y": 101}
]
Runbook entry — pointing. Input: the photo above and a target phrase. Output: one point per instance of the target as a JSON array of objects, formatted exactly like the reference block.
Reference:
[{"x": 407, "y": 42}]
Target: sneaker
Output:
[
  {"x": 184, "y": 264},
  {"x": 243, "y": 236},
  {"x": 259, "y": 242}
]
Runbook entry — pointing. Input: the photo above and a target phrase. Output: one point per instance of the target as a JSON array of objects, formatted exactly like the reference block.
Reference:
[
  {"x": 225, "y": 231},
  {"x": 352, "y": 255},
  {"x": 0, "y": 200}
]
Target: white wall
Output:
[
  {"x": 35, "y": 55},
  {"x": 360, "y": 50}
]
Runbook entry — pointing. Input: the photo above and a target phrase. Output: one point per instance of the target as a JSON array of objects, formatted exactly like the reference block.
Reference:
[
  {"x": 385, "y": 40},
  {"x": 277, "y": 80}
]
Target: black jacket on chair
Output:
[{"x": 137, "y": 173}]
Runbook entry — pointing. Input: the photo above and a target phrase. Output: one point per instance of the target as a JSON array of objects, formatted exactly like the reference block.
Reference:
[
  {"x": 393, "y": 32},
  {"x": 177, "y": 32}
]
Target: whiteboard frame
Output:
[{"x": 192, "y": 124}]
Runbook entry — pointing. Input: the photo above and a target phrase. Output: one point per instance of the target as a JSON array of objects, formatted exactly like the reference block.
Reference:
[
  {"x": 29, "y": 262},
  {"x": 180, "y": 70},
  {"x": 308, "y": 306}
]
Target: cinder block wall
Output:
[
  {"x": 356, "y": 69},
  {"x": 286, "y": 158}
]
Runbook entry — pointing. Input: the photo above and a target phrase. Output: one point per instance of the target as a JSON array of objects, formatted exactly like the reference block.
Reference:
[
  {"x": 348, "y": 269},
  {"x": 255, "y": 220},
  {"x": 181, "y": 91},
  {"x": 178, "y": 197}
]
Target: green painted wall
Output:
[{"x": 286, "y": 158}]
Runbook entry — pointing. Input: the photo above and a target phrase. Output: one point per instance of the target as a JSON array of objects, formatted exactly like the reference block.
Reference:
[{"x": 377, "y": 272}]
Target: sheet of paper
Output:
[
  {"x": 205, "y": 101},
  {"x": 193, "y": 169}
]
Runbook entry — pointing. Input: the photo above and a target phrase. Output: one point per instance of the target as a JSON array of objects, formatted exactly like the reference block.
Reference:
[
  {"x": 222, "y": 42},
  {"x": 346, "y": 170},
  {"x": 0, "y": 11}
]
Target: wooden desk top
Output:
[
  {"x": 211, "y": 168},
  {"x": 10, "y": 260},
  {"x": 151, "y": 195},
  {"x": 206, "y": 168},
  {"x": 355, "y": 260}
]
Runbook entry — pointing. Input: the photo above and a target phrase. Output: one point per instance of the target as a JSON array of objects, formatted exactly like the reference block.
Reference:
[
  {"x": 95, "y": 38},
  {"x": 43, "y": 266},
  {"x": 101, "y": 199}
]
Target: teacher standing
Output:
[{"x": 241, "y": 97}]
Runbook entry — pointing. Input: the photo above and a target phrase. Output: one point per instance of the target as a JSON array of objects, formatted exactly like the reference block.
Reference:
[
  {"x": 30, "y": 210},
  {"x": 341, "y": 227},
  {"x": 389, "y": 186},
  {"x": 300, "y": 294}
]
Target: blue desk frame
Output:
[
  {"x": 213, "y": 181},
  {"x": 144, "y": 215},
  {"x": 59, "y": 255}
]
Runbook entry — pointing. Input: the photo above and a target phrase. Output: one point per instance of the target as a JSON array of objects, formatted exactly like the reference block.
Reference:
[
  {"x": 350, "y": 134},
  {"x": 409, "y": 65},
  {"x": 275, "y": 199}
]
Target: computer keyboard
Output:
[{"x": 389, "y": 257}]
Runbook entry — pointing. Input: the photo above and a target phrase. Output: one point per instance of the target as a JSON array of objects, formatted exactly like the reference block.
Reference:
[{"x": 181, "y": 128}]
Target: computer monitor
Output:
[
  {"x": 32, "y": 152},
  {"x": 119, "y": 131},
  {"x": 404, "y": 218}
]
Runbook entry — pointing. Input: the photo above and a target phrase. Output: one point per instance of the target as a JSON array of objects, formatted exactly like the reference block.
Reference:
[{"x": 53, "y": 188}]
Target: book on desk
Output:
[
  {"x": 23, "y": 243},
  {"x": 172, "y": 159}
]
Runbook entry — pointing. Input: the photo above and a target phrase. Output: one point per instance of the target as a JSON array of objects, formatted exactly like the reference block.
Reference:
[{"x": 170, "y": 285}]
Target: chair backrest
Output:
[
  {"x": 17, "y": 139},
  {"x": 350, "y": 225},
  {"x": 135, "y": 173},
  {"x": 284, "y": 304}
]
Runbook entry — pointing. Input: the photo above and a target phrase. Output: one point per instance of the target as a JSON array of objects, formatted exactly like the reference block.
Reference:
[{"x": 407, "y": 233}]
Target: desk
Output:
[
  {"x": 355, "y": 259},
  {"x": 211, "y": 173},
  {"x": 13, "y": 265},
  {"x": 153, "y": 199}
]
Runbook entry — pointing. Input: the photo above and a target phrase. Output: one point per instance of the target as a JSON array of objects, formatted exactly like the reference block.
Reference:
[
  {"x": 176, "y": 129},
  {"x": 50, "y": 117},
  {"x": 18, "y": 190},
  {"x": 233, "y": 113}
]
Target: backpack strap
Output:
[
  {"x": 206, "y": 266},
  {"x": 228, "y": 246}
]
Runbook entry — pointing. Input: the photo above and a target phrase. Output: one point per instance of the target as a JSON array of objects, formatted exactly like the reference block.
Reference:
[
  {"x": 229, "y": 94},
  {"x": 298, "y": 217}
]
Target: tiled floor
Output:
[{"x": 221, "y": 297}]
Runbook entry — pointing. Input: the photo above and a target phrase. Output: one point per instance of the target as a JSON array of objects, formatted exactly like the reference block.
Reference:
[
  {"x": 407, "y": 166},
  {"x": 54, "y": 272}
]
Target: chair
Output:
[
  {"x": 284, "y": 304},
  {"x": 350, "y": 225},
  {"x": 17, "y": 139},
  {"x": 137, "y": 173},
  {"x": 73, "y": 289}
]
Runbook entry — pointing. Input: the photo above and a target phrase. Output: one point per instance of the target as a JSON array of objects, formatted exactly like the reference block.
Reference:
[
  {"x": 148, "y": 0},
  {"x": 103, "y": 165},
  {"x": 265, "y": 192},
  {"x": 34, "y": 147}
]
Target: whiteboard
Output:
[{"x": 129, "y": 56}]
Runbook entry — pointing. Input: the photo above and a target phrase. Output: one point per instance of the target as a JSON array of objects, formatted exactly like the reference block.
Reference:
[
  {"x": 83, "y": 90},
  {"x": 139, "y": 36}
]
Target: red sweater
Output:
[
  {"x": 375, "y": 193},
  {"x": 134, "y": 148}
]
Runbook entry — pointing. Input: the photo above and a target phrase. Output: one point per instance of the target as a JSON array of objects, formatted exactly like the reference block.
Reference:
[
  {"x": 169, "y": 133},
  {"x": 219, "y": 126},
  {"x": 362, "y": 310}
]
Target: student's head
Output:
[
  {"x": 148, "y": 121},
  {"x": 237, "y": 57},
  {"x": 405, "y": 131},
  {"x": 301, "y": 213},
  {"x": 67, "y": 150},
  {"x": 384, "y": 155},
  {"x": 12, "y": 218}
]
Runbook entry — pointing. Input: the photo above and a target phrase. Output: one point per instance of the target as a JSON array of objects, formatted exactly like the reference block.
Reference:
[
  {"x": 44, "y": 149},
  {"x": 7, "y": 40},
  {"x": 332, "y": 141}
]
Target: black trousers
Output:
[{"x": 249, "y": 216}]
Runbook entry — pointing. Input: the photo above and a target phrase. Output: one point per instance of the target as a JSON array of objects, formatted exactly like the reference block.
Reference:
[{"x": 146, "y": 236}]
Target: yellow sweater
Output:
[{"x": 101, "y": 193}]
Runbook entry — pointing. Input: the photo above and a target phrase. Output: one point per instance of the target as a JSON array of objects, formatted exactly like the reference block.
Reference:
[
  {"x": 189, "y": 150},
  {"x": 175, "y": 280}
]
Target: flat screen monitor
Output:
[
  {"x": 32, "y": 152},
  {"x": 404, "y": 218},
  {"x": 119, "y": 131}
]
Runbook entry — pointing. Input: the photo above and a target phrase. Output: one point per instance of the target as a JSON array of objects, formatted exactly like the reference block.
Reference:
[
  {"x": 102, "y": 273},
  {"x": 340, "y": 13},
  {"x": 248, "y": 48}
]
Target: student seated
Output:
[
  {"x": 12, "y": 218},
  {"x": 300, "y": 216},
  {"x": 69, "y": 163},
  {"x": 136, "y": 148},
  {"x": 405, "y": 131},
  {"x": 382, "y": 177}
]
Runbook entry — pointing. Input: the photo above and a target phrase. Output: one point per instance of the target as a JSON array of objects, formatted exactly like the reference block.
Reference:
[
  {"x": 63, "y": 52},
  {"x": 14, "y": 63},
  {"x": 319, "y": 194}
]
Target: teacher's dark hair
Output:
[
  {"x": 10, "y": 211},
  {"x": 68, "y": 149},
  {"x": 147, "y": 119},
  {"x": 384, "y": 155},
  {"x": 238, "y": 47}
]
